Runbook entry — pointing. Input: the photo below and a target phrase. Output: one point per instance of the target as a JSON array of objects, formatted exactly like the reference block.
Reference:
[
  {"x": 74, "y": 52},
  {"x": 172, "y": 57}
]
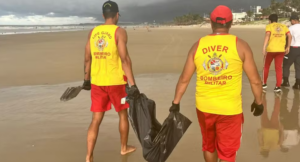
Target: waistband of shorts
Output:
[{"x": 295, "y": 46}]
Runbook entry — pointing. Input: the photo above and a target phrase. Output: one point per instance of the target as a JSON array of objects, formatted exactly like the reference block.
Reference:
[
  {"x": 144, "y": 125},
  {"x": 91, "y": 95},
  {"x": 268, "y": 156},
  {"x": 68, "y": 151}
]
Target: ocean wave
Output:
[{"x": 11, "y": 30}]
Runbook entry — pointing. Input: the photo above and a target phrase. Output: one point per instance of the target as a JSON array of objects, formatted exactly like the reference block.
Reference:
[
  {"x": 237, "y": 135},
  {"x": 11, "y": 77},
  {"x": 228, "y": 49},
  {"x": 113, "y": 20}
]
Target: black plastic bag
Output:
[{"x": 158, "y": 141}]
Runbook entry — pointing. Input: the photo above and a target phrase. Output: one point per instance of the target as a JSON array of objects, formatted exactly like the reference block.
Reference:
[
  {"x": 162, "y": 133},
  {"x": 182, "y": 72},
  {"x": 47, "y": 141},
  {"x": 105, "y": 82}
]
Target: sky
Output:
[{"x": 55, "y": 12}]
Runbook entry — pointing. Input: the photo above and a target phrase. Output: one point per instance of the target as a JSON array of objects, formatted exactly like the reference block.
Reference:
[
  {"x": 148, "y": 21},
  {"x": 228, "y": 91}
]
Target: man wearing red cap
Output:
[{"x": 219, "y": 60}]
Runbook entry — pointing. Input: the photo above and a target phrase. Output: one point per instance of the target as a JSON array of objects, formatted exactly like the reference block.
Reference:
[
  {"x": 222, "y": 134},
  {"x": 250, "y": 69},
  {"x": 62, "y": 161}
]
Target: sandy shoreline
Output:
[
  {"x": 35, "y": 70},
  {"x": 52, "y": 58}
]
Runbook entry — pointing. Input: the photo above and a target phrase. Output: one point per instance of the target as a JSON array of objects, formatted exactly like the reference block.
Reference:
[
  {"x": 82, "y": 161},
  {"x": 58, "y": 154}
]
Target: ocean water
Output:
[{"x": 9, "y": 30}]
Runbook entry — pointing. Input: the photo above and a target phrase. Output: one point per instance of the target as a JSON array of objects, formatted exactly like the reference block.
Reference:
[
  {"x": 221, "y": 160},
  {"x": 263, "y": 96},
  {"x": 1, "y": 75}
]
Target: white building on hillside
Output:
[
  {"x": 258, "y": 10},
  {"x": 238, "y": 17},
  {"x": 293, "y": 9}
]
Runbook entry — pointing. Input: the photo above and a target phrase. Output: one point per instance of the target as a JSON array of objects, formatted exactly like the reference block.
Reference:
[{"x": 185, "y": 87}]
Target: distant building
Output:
[
  {"x": 258, "y": 10},
  {"x": 238, "y": 17},
  {"x": 293, "y": 9}
]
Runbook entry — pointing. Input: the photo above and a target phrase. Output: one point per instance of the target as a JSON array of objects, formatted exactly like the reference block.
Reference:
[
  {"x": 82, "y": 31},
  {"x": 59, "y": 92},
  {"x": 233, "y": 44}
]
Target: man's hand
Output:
[
  {"x": 86, "y": 85},
  {"x": 133, "y": 92},
  {"x": 287, "y": 51},
  {"x": 175, "y": 107},
  {"x": 257, "y": 109},
  {"x": 264, "y": 52}
]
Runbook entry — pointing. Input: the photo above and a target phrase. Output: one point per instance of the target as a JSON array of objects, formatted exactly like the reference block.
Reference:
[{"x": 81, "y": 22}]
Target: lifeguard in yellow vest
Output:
[
  {"x": 219, "y": 60},
  {"x": 107, "y": 69}
]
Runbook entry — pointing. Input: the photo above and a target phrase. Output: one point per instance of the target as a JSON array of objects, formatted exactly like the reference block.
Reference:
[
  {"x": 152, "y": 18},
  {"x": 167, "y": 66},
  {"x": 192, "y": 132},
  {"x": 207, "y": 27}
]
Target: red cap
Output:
[{"x": 221, "y": 15}]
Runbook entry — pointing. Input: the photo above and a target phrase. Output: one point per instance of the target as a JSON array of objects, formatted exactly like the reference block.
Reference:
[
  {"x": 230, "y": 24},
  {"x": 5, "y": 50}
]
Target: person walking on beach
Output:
[
  {"x": 219, "y": 60},
  {"x": 294, "y": 56},
  {"x": 275, "y": 47},
  {"x": 107, "y": 68}
]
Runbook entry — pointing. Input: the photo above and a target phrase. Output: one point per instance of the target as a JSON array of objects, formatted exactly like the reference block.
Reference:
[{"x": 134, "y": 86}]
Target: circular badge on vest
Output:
[
  {"x": 101, "y": 43},
  {"x": 215, "y": 64},
  {"x": 278, "y": 29}
]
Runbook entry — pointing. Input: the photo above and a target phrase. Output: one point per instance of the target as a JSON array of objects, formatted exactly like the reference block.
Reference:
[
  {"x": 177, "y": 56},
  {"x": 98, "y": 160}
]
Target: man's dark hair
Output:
[
  {"x": 108, "y": 15},
  {"x": 273, "y": 18},
  {"x": 218, "y": 25},
  {"x": 294, "y": 17}
]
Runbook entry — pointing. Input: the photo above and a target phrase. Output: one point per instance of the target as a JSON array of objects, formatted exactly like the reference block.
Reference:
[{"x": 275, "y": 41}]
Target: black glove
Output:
[
  {"x": 86, "y": 85},
  {"x": 257, "y": 109},
  {"x": 133, "y": 92},
  {"x": 174, "y": 107}
]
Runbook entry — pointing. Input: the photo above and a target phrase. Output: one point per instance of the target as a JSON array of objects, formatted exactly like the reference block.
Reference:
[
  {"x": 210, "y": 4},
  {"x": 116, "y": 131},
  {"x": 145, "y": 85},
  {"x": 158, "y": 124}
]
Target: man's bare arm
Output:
[
  {"x": 186, "y": 75},
  {"x": 87, "y": 59},
  {"x": 250, "y": 69},
  {"x": 123, "y": 52},
  {"x": 267, "y": 38},
  {"x": 289, "y": 38}
]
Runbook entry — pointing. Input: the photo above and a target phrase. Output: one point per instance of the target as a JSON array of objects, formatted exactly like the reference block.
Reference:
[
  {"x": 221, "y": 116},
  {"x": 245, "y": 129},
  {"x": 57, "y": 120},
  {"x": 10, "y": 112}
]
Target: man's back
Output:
[
  {"x": 295, "y": 31},
  {"x": 106, "y": 68},
  {"x": 219, "y": 75},
  {"x": 277, "y": 40}
]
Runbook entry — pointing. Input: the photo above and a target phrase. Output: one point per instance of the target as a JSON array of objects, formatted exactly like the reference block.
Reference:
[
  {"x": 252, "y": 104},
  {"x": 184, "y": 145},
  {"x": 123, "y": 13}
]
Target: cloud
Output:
[
  {"x": 50, "y": 14},
  {"x": 44, "y": 20},
  {"x": 131, "y": 10}
]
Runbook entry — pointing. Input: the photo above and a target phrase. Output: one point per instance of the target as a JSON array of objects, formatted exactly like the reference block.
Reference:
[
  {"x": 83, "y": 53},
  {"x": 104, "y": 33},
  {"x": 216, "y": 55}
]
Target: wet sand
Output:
[
  {"x": 53, "y": 58},
  {"x": 36, "y": 126}
]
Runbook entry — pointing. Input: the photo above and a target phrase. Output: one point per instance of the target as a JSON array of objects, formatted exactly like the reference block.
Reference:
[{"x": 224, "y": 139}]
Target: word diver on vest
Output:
[
  {"x": 219, "y": 75},
  {"x": 106, "y": 66}
]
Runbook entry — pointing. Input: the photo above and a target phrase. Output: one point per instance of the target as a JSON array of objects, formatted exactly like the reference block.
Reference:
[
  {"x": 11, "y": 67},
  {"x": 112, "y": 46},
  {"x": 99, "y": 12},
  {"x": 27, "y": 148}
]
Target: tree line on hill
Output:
[
  {"x": 188, "y": 19},
  {"x": 283, "y": 9}
]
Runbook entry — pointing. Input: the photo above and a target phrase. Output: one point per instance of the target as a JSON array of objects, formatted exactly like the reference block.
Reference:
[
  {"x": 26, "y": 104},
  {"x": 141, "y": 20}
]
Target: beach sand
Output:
[
  {"x": 52, "y": 58},
  {"x": 35, "y": 69}
]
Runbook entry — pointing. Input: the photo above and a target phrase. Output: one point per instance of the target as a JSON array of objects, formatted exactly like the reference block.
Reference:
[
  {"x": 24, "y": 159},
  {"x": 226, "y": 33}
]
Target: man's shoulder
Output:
[
  {"x": 296, "y": 26},
  {"x": 292, "y": 27},
  {"x": 241, "y": 42},
  {"x": 270, "y": 25},
  {"x": 121, "y": 31},
  {"x": 282, "y": 25}
]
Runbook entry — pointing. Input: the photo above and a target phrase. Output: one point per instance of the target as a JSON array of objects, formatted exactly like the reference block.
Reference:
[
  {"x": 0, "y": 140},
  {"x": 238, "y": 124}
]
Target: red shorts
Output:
[
  {"x": 103, "y": 96},
  {"x": 222, "y": 133}
]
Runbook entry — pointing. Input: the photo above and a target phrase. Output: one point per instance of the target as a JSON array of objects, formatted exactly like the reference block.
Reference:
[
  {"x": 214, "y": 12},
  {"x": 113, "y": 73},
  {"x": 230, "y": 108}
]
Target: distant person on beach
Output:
[
  {"x": 294, "y": 56},
  {"x": 275, "y": 47},
  {"x": 107, "y": 68},
  {"x": 219, "y": 60}
]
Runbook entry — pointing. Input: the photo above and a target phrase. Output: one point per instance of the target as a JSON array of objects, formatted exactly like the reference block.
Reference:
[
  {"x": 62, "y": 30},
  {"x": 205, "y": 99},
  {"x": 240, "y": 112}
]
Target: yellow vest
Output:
[
  {"x": 106, "y": 67},
  {"x": 219, "y": 75},
  {"x": 277, "y": 40}
]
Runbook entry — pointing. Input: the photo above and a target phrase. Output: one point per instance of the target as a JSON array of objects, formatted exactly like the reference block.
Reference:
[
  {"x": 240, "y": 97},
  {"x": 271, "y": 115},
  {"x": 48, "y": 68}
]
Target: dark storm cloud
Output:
[
  {"x": 168, "y": 10},
  {"x": 131, "y": 10}
]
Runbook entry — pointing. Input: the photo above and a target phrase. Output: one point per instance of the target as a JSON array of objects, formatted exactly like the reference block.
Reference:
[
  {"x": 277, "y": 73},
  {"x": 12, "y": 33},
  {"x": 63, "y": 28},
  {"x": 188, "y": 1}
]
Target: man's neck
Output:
[
  {"x": 221, "y": 31},
  {"x": 109, "y": 22}
]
